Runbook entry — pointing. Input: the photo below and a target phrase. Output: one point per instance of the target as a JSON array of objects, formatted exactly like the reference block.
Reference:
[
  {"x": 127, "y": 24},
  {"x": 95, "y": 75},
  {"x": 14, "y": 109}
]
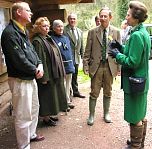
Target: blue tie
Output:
[{"x": 104, "y": 43}]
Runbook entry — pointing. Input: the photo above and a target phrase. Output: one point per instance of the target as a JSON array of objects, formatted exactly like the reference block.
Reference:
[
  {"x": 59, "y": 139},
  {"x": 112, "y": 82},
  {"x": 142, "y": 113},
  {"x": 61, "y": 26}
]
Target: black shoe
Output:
[
  {"x": 54, "y": 118},
  {"x": 128, "y": 142},
  {"x": 71, "y": 106},
  {"x": 49, "y": 122},
  {"x": 78, "y": 95},
  {"x": 66, "y": 110}
]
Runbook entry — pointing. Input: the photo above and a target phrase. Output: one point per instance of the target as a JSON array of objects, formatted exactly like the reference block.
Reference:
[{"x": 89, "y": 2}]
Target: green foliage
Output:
[
  {"x": 82, "y": 77},
  {"x": 87, "y": 12},
  {"x": 85, "y": 22},
  {"x": 122, "y": 9}
]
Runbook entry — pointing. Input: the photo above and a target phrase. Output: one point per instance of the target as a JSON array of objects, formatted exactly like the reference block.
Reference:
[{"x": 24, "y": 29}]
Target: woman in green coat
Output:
[
  {"x": 51, "y": 91},
  {"x": 134, "y": 58}
]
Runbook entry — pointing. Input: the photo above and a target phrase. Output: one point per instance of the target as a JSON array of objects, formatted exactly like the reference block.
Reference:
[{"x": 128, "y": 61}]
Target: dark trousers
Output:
[{"x": 74, "y": 80}]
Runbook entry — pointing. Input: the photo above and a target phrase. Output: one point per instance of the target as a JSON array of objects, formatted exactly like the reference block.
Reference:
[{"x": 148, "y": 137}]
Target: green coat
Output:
[
  {"x": 52, "y": 96},
  {"x": 134, "y": 61}
]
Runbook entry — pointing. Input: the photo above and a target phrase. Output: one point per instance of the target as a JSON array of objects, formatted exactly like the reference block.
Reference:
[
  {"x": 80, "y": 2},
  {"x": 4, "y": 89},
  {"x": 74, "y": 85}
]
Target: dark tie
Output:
[
  {"x": 73, "y": 35},
  {"x": 104, "y": 43}
]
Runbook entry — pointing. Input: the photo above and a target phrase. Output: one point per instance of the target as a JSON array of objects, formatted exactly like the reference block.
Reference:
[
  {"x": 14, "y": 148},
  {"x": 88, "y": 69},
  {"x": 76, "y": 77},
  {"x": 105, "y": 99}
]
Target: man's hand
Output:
[
  {"x": 113, "y": 52},
  {"x": 44, "y": 82},
  {"x": 86, "y": 71},
  {"x": 115, "y": 44},
  {"x": 119, "y": 73},
  {"x": 39, "y": 71}
]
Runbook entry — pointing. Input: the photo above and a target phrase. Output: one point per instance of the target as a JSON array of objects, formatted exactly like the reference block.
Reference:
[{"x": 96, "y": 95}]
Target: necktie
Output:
[
  {"x": 73, "y": 35},
  {"x": 104, "y": 43}
]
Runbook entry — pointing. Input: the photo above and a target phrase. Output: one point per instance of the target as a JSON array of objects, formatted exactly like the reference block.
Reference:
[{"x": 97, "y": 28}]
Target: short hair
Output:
[
  {"x": 139, "y": 10},
  {"x": 38, "y": 22},
  {"x": 72, "y": 14},
  {"x": 106, "y": 8},
  {"x": 96, "y": 18},
  {"x": 124, "y": 22},
  {"x": 16, "y": 6},
  {"x": 56, "y": 23}
]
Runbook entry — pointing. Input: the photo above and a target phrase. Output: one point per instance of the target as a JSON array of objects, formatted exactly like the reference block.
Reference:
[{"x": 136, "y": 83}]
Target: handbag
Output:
[{"x": 137, "y": 85}]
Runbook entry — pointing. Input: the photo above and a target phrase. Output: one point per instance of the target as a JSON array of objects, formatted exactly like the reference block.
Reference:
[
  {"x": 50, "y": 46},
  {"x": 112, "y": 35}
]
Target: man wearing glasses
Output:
[{"x": 23, "y": 66}]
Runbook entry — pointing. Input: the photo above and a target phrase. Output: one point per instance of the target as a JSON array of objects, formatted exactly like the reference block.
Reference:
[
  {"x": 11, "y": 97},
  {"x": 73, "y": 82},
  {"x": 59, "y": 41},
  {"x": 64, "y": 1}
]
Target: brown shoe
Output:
[
  {"x": 37, "y": 138},
  {"x": 54, "y": 118}
]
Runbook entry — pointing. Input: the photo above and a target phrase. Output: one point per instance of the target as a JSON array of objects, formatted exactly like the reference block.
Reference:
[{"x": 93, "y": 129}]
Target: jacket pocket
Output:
[{"x": 90, "y": 62}]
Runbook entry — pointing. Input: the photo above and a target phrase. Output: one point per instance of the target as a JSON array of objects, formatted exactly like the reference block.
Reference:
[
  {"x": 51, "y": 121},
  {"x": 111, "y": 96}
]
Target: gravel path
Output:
[{"x": 72, "y": 132}]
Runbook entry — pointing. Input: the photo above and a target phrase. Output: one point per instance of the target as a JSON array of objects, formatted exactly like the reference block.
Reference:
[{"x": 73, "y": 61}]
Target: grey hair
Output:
[
  {"x": 56, "y": 23},
  {"x": 72, "y": 14}
]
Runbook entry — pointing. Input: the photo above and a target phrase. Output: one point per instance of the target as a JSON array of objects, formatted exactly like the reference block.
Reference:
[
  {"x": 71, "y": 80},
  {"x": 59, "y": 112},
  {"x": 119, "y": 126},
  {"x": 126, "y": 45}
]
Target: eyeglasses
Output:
[{"x": 28, "y": 10}]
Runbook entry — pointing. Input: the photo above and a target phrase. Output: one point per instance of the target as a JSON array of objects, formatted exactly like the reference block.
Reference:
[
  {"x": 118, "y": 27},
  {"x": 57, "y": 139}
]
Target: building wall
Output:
[{"x": 5, "y": 95}]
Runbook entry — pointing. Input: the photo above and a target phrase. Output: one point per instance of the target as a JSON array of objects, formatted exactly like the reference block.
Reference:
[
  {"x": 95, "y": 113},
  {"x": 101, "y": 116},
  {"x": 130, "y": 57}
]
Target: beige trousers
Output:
[
  {"x": 102, "y": 79},
  {"x": 67, "y": 84},
  {"x": 25, "y": 109}
]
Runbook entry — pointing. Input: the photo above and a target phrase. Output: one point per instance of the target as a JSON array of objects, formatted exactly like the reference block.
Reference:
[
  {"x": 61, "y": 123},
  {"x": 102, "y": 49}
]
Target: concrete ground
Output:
[{"x": 72, "y": 132}]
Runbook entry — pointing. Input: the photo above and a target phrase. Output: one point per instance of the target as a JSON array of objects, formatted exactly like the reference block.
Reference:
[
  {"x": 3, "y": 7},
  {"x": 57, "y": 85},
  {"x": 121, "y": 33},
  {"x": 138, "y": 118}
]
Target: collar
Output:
[
  {"x": 21, "y": 27},
  {"x": 136, "y": 28},
  {"x": 72, "y": 28},
  {"x": 107, "y": 29}
]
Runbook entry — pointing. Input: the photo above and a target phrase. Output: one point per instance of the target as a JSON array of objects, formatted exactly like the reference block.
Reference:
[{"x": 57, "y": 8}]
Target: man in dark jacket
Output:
[{"x": 23, "y": 66}]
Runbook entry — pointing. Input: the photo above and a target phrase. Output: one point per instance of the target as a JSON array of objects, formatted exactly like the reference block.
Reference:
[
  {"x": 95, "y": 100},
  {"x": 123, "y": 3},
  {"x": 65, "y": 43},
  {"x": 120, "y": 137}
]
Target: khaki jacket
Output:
[
  {"x": 77, "y": 48},
  {"x": 93, "y": 51}
]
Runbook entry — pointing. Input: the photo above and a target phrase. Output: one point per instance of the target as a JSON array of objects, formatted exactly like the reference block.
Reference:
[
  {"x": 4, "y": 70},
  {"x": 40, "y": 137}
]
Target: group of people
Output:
[
  {"x": 106, "y": 55},
  {"x": 42, "y": 73}
]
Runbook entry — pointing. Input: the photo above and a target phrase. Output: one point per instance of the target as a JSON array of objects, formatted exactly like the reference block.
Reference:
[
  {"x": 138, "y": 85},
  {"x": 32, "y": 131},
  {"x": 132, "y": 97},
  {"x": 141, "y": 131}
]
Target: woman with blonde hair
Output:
[{"x": 51, "y": 91}]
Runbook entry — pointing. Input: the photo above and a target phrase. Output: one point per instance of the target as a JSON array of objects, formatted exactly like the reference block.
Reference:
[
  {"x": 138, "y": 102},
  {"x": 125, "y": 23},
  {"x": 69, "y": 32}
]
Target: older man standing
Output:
[
  {"x": 100, "y": 67},
  {"x": 23, "y": 66},
  {"x": 76, "y": 41}
]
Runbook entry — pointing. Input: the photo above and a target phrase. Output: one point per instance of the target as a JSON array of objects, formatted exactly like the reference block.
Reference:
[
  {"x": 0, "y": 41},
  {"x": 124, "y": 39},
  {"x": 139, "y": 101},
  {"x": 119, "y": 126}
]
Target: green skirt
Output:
[
  {"x": 135, "y": 107},
  {"x": 52, "y": 97}
]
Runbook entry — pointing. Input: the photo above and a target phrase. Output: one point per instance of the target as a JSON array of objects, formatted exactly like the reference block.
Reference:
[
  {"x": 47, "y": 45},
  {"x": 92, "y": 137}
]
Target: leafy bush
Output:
[{"x": 82, "y": 77}]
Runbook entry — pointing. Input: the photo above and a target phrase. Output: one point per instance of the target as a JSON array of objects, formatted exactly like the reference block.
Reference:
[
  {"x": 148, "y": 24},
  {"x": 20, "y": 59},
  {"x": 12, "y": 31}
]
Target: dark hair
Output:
[
  {"x": 139, "y": 10},
  {"x": 96, "y": 18},
  {"x": 106, "y": 8}
]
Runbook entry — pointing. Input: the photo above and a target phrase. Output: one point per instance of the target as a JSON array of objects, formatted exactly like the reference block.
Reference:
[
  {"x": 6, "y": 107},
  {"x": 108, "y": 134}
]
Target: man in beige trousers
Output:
[{"x": 100, "y": 67}]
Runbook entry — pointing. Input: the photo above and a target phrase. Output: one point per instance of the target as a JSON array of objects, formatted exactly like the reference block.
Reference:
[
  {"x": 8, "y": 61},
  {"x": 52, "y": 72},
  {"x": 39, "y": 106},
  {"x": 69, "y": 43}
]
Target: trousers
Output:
[
  {"x": 25, "y": 109},
  {"x": 102, "y": 79},
  {"x": 67, "y": 83}
]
